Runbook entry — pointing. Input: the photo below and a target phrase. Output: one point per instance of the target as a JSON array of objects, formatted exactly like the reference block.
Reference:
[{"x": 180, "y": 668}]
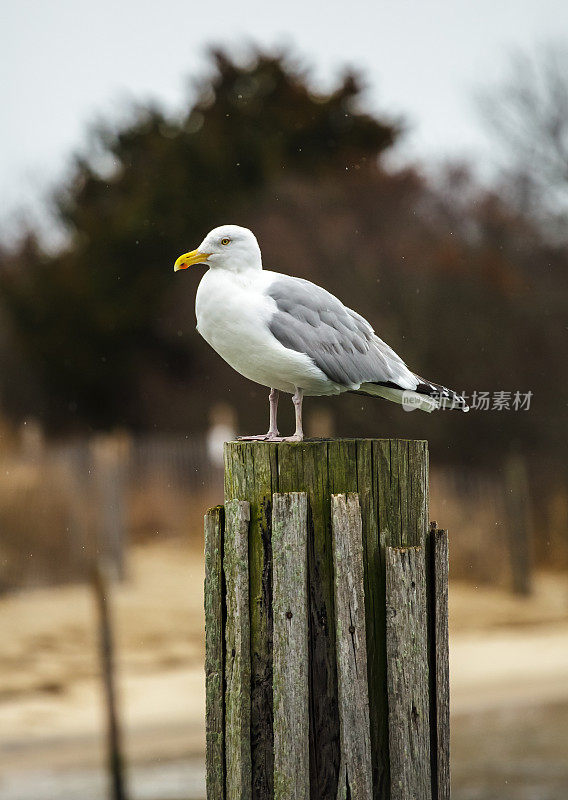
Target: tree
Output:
[
  {"x": 527, "y": 113},
  {"x": 91, "y": 319}
]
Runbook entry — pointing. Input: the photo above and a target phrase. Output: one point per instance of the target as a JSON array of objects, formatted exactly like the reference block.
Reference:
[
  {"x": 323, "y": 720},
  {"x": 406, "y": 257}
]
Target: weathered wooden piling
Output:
[{"x": 324, "y": 614}]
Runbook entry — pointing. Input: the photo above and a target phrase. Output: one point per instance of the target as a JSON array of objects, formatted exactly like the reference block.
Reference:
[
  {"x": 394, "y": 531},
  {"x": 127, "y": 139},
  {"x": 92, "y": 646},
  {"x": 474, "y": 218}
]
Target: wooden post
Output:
[{"x": 335, "y": 680}]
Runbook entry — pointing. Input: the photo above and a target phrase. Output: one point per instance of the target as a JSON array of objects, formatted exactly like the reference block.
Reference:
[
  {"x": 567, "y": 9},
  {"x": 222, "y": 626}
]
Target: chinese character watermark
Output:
[{"x": 498, "y": 400}]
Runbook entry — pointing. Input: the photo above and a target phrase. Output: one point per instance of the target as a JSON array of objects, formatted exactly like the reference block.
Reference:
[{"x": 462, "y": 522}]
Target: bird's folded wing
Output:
[{"x": 310, "y": 320}]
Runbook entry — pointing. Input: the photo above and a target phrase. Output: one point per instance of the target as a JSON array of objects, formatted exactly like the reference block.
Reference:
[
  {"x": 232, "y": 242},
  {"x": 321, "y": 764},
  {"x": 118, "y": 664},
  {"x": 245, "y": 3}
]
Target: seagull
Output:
[{"x": 292, "y": 336}]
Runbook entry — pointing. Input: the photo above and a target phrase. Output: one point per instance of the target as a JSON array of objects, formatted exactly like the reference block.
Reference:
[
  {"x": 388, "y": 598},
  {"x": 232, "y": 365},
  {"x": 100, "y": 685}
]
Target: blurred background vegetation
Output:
[{"x": 467, "y": 281}]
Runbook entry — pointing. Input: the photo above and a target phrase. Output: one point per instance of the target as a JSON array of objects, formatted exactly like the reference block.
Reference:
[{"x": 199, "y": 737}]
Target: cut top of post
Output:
[{"x": 390, "y": 476}]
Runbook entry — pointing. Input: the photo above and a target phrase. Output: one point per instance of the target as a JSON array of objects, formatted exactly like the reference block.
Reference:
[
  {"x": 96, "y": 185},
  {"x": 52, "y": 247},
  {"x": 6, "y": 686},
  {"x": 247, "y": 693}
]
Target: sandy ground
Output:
[{"x": 506, "y": 653}]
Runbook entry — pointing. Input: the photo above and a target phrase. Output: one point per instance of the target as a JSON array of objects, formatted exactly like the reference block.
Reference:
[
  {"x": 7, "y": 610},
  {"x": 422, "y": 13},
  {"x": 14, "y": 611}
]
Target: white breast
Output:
[{"x": 232, "y": 316}]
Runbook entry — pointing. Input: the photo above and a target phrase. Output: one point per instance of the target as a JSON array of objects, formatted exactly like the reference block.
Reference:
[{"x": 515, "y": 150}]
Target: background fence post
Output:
[
  {"x": 517, "y": 504},
  {"x": 109, "y": 454},
  {"x": 380, "y": 513}
]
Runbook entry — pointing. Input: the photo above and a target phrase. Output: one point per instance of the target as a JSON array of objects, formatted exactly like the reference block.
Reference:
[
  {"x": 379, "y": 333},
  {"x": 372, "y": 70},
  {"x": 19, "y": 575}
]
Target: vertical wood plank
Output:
[
  {"x": 251, "y": 472},
  {"x": 371, "y": 460},
  {"x": 214, "y": 653},
  {"x": 237, "y": 653},
  {"x": 399, "y": 470},
  {"x": 439, "y": 664},
  {"x": 355, "y": 779},
  {"x": 311, "y": 467},
  {"x": 290, "y": 646},
  {"x": 402, "y": 475},
  {"x": 407, "y": 674}
]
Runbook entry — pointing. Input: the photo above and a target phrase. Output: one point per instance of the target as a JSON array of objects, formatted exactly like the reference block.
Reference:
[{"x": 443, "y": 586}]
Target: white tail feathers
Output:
[{"x": 427, "y": 397}]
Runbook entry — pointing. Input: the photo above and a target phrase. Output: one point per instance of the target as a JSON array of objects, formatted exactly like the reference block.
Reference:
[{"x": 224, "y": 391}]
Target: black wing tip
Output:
[{"x": 447, "y": 397}]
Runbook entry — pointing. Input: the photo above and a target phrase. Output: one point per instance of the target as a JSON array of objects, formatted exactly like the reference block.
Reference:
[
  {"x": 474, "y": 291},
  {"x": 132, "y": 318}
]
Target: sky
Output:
[{"x": 68, "y": 63}]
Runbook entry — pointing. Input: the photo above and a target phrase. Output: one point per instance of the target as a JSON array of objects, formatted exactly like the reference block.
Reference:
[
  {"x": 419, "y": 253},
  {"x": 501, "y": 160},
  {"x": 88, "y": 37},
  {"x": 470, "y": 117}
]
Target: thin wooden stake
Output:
[
  {"x": 355, "y": 777},
  {"x": 237, "y": 659},
  {"x": 407, "y": 674},
  {"x": 290, "y": 646},
  {"x": 214, "y": 653},
  {"x": 101, "y": 587}
]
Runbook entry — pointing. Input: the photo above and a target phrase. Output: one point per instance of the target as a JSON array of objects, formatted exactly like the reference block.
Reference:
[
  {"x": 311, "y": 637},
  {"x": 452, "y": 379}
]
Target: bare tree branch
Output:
[{"x": 528, "y": 115}]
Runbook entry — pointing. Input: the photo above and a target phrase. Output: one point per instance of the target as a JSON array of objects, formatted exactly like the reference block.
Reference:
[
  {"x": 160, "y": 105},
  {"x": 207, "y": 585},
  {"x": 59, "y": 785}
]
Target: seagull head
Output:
[{"x": 227, "y": 247}]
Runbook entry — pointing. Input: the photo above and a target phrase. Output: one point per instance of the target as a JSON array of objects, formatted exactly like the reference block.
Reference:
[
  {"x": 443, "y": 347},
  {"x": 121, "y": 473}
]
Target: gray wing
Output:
[{"x": 341, "y": 342}]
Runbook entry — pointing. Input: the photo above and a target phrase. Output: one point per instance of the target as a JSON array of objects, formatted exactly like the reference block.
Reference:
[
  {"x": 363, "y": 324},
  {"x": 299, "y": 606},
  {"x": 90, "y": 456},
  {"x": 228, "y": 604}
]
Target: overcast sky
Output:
[{"x": 66, "y": 63}]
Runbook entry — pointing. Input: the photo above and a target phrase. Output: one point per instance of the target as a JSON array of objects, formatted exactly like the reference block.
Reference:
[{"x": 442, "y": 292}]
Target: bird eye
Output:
[{"x": 225, "y": 241}]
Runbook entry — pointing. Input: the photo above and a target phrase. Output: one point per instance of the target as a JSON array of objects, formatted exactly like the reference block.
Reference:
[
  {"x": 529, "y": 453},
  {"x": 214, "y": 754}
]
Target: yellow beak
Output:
[{"x": 188, "y": 259}]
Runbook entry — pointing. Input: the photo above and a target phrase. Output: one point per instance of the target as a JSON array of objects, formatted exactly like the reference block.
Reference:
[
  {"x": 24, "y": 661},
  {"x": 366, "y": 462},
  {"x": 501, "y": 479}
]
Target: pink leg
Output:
[
  {"x": 298, "y": 436},
  {"x": 273, "y": 434},
  {"x": 299, "y": 432},
  {"x": 273, "y": 399}
]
